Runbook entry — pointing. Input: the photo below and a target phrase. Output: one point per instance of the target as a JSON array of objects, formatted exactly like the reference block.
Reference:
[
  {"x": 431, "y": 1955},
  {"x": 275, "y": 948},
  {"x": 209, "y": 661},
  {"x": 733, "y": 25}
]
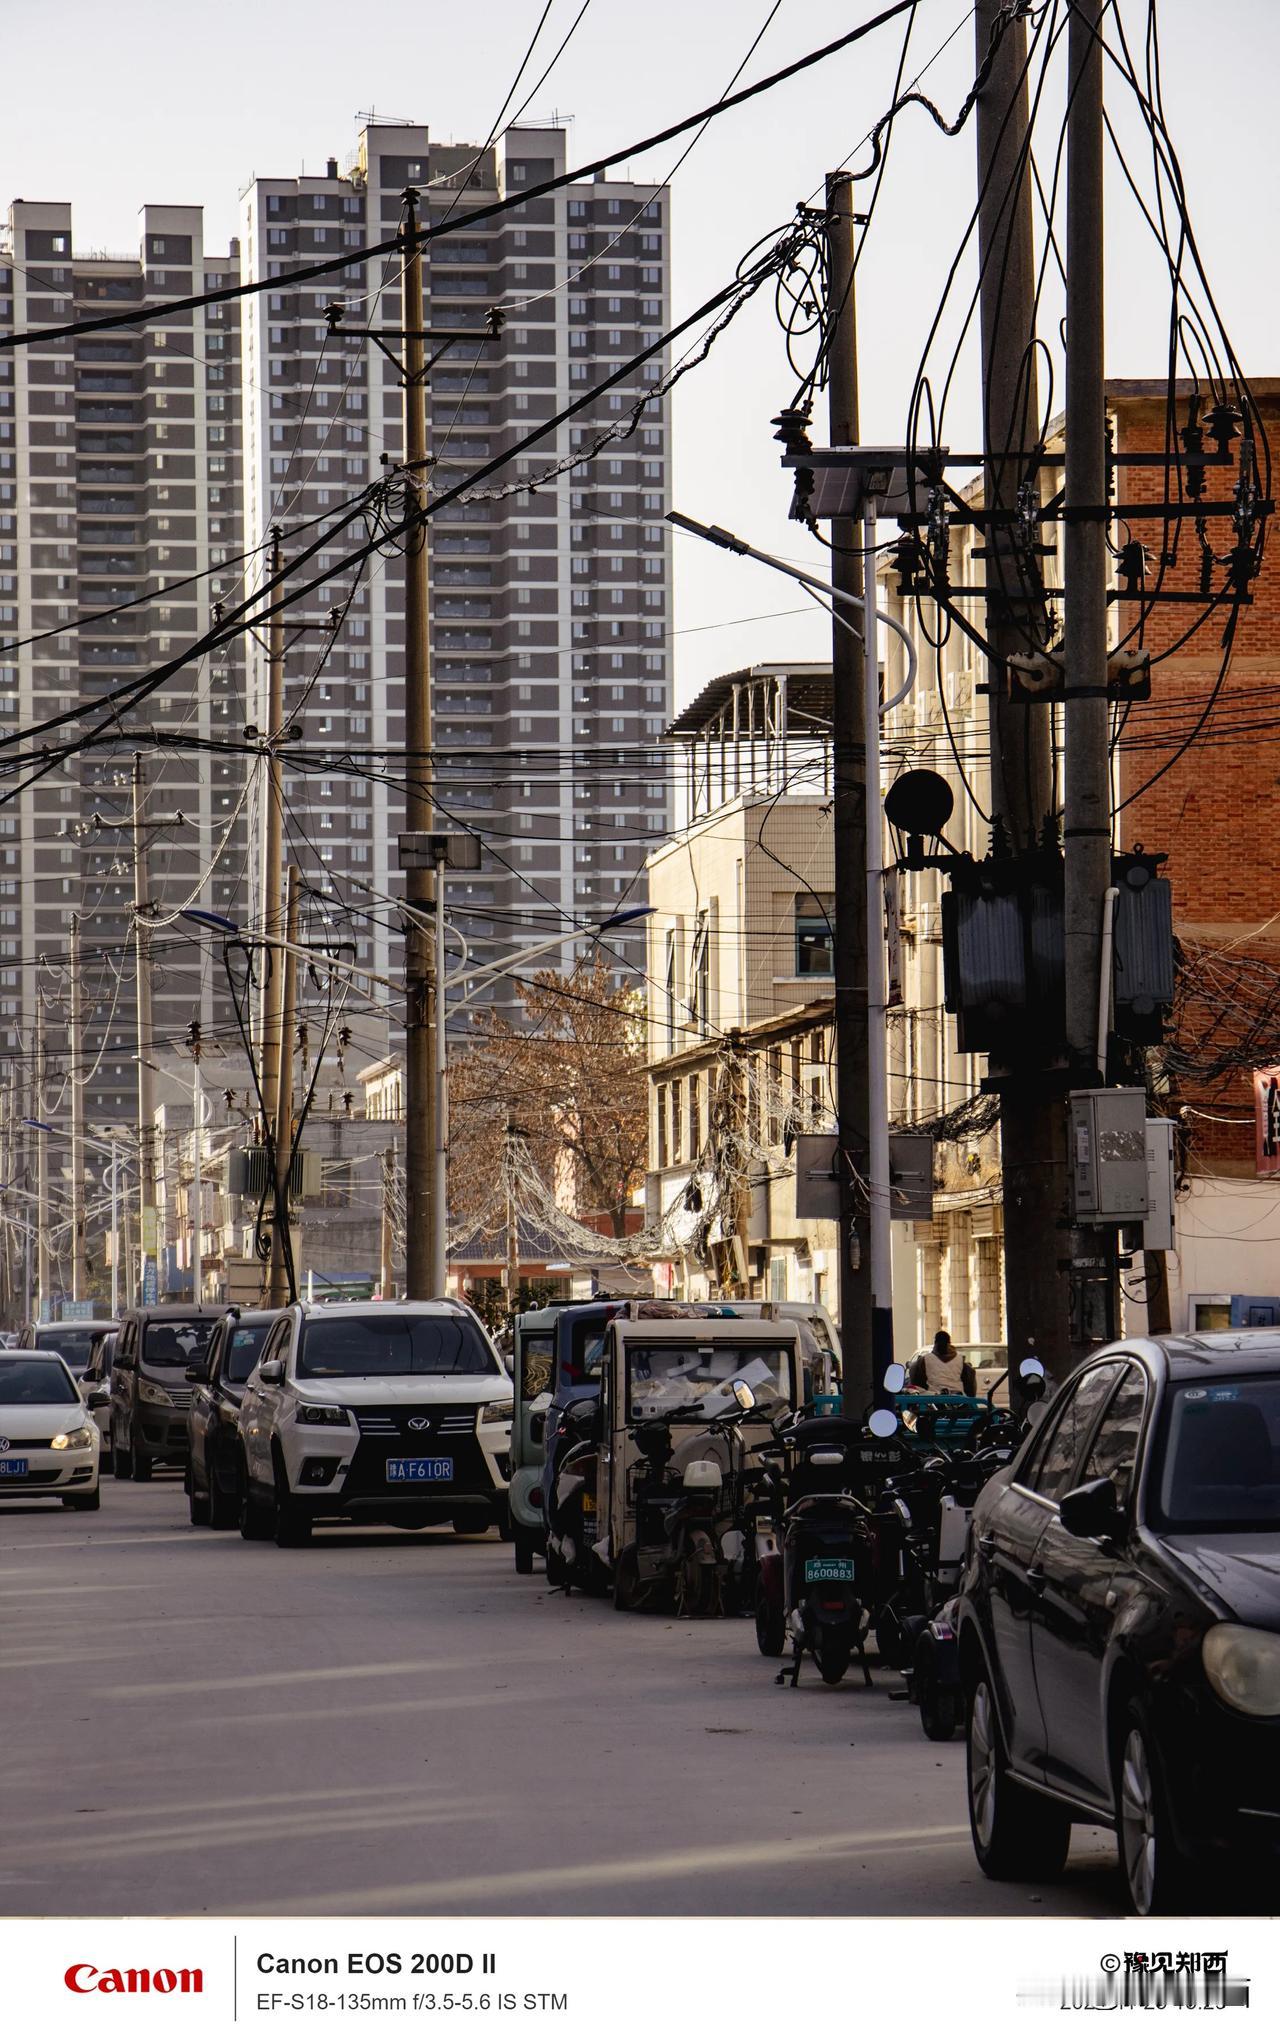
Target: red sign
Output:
[{"x": 1266, "y": 1110}]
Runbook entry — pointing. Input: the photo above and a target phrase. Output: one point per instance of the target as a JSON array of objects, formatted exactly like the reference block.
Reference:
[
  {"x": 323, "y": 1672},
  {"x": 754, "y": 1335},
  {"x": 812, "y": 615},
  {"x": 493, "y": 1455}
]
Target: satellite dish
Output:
[{"x": 919, "y": 802}]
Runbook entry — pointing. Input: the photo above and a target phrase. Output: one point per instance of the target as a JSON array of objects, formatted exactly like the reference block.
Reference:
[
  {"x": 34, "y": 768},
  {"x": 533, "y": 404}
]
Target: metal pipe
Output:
[{"x": 1109, "y": 897}]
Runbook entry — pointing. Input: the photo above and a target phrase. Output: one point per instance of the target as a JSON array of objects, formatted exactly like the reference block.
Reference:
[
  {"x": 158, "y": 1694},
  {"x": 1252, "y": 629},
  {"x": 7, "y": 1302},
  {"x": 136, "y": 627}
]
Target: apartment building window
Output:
[
  {"x": 814, "y": 918},
  {"x": 700, "y": 974},
  {"x": 677, "y": 1135},
  {"x": 695, "y": 1116},
  {"x": 660, "y": 1118}
]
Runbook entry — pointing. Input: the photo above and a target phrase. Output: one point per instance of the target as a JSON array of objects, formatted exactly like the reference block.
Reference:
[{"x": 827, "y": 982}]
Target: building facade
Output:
[{"x": 550, "y": 596}]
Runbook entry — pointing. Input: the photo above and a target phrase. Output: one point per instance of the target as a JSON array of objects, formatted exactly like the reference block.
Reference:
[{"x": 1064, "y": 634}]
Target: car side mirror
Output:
[
  {"x": 272, "y": 1372},
  {"x": 1091, "y": 1512},
  {"x": 97, "y": 1396},
  {"x": 196, "y": 1374}
]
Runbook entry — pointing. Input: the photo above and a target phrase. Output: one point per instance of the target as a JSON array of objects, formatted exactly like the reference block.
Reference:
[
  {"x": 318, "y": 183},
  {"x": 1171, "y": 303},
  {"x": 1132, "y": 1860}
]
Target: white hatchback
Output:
[{"x": 49, "y": 1443}]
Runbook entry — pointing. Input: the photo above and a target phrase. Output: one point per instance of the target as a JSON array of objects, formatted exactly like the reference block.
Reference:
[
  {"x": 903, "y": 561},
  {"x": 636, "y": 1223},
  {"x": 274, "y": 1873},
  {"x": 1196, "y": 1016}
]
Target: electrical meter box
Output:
[{"x": 1108, "y": 1155}]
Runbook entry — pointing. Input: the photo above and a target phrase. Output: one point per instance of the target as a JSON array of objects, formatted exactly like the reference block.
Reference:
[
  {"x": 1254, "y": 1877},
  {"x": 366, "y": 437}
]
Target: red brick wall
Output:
[{"x": 1216, "y": 811}]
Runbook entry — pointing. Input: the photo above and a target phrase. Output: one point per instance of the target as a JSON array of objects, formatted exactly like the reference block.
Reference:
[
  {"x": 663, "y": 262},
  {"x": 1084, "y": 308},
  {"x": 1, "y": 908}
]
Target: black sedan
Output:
[
  {"x": 213, "y": 1457},
  {"x": 1119, "y": 1624}
]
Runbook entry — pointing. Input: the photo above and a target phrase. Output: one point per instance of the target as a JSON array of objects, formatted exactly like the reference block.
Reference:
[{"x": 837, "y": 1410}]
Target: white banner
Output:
[{"x": 632, "y": 1976}]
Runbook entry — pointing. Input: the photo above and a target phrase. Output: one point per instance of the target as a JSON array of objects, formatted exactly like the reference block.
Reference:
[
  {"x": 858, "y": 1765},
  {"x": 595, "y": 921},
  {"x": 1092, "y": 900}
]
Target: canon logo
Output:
[{"x": 93, "y": 1979}]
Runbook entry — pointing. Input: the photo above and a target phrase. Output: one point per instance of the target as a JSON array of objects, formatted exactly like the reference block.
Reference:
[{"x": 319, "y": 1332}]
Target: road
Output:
[{"x": 391, "y": 1723}]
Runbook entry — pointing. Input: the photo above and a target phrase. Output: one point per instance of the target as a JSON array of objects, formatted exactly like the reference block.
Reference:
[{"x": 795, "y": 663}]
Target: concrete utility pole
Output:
[
  {"x": 79, "y": 1270},
  {"x": 848, "y": 756},
  {"x": 386, "y": 1254},
  {"x": 424, "y": 1220},
  {"x": 282, "y": 1279},
  {"x": 147, "y": 1291},
  {"x": 272, "y": 869},
  {"x": 513, "y": 1221},
  {"x": 1032, "y": 1125},
  {"x": 197, "y": 1170},
  {"x": 1087, "y": 832},
  {"x": 44, "y": 1298}
]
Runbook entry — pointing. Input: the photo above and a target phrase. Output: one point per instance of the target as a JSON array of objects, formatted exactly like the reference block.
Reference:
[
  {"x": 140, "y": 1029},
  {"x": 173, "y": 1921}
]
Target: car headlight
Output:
[
  {"x": 75, "y": 1438},
  {"x": 498, "y": 1410},
  {"x": 154, "y": 1395},
  {"x": 321, "y": 1417},
  {"x": 1243, "y": 1666}
]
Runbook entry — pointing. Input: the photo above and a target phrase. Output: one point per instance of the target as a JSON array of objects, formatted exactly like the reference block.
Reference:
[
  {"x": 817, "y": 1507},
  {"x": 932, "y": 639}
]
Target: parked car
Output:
[
  {"x": 213, "y": 1436},
  {"x": 375, "y": 1410},
  {"x": 49, "y": 1443},
  {"x": 97, "y": 1373},
  {"x": 150, "y": 1391},
  {"x": 72, "y": 1340},
  {"x": 1119, "y": 1623}
]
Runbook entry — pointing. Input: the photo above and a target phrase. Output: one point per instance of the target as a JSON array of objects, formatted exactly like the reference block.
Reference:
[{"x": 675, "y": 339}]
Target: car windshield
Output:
[
  {"x": 35, "y": 1382},
  {"x": 74, "y": 1344},
  {"x": 686, "y": 1381},
  {"x": 384, "y": 1345},
  {"x": 246, "y": 1349},
  {"x": 1221, "y": 1465},
  {"x": 177, "y": 1342}
]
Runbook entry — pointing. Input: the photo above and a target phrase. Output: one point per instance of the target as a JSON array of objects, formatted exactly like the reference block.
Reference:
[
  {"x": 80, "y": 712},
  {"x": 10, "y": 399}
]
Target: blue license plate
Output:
[
  {"x": 13, "y": 1466},
  {"x": 828, "y": 1569},
  {"x": 419, "y": 1470}
]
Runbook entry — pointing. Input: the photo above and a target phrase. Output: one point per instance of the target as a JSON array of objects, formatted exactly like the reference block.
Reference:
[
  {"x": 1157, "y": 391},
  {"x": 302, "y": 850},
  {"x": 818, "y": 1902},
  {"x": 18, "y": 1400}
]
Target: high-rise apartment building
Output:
[
  {"x": 550, "y": 597},
  {"x": 119, "y": 484}
]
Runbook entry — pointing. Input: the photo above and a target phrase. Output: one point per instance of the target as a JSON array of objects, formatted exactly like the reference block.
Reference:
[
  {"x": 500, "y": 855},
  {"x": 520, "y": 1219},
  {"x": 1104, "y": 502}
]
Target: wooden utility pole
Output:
[
  {"x": 282, "y": 1278},
  {"x": 849, "y": 776},
  {"x": 272, "y": 867},
  {"x": 421, "y": 1048},
  {"x": 75, "y": 1075},
  {"x": 1086, "y": 721},
  {"x": 148, "y": 1288},
  {"x": 1032, "y": 1124}
]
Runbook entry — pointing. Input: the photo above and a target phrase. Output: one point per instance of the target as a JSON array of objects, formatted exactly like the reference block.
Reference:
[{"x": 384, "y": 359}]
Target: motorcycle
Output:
[
  {"x": 833, "y": 1558},
  {"x": 572, "y": 1512}
]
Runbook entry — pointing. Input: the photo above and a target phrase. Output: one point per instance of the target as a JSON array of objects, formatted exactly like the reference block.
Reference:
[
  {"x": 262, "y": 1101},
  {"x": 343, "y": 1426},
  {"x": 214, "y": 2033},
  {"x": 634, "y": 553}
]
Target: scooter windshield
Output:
[{"x": 685, "y": 1382}]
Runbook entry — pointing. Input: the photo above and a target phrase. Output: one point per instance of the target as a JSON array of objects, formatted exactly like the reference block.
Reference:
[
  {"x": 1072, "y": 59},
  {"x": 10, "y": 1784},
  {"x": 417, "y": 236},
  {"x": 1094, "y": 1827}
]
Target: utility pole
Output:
[
  {"x": 424, "y": 1220},
  {"x": 79, "y": 1271},
  {"x": 513, "y": 1220},
  {"x": 197, "y": 1167},
  {"x": 148, "y": 1289},
  {"x": 282, "y": 1279},
  {"x": 43, "y": 1297},
  {"x": 272, "y": 873},
  {"x": 849, "y": 775},
  {"x": 386, "y": 1254},
  {"x": 1087, "y": 830},
  {"x": 1032, "y": 1125}
]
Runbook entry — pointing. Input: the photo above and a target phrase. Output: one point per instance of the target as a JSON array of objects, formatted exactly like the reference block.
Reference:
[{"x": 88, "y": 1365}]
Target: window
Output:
[
  {"x": 700, "y": 974},
  {"x": 1051, "y": 1471},
  {"x": 1115, "y": 1446},
  {"x": 815, "y": 954}
]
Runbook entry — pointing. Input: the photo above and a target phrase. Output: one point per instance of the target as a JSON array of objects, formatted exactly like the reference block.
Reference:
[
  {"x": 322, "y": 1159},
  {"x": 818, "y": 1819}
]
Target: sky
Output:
[{"x": 145, "y": 102}]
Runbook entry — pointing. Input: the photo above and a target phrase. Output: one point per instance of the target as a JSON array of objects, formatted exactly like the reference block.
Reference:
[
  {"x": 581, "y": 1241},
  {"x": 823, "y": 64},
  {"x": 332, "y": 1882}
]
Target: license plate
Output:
[
  {"x": 13, "y": 1466},
  {"x": 419, "y": 1470},
  {"x": 828, "y": 1569}
]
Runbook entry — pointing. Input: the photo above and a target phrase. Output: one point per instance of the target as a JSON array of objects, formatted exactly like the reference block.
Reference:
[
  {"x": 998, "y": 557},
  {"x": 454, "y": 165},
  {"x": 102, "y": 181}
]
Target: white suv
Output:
[{"x": 396, "y": 1411}]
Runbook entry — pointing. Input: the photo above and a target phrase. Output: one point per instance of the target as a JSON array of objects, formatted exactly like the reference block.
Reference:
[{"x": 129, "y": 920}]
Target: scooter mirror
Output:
[
  {"x": 895, "y": 1378},
  {"x": 883, "y": 1423},
  {"x": 743, "y": 1394}
]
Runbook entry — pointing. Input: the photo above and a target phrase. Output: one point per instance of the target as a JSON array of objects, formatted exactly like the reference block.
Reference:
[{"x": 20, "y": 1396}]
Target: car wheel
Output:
[
  {"x": 523, "y": 1549},
  {"x": 1158, "y": 1879},
  {"x": 140, "y": 1465},
  {"x": 504, "y": 1523},
  {"x": 121, "y": 1460},
  {"x": 197, "y": 1503},
  {"x": 292, "y": 1520},
  {"x": 939, "y": 1710},
  {"x": 257, "y": 1521},
  {"x": 84, "y": 1502},
  {"x": 629, "y": 1593},
  {"x": 1016, "y": 1835},
  {"x": 224, "y": 1510}
]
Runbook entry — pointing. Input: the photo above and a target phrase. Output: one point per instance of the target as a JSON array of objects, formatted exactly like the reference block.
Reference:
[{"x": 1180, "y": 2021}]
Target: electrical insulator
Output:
[{"x": 1193, "y": 447}]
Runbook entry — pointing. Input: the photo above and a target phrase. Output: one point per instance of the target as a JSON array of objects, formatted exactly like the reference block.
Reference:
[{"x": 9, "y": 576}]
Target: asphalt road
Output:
[{"x": 392, "y": 1723}]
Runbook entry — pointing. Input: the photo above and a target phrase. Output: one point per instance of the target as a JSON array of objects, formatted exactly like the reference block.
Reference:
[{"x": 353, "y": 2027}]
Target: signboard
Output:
[
  {"x": 77, "y": 1311},
  {"x": 149, "y": 1232},
  {"x": 150, "y": 1284},
  {"x": 1266, "y": 1111}
]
